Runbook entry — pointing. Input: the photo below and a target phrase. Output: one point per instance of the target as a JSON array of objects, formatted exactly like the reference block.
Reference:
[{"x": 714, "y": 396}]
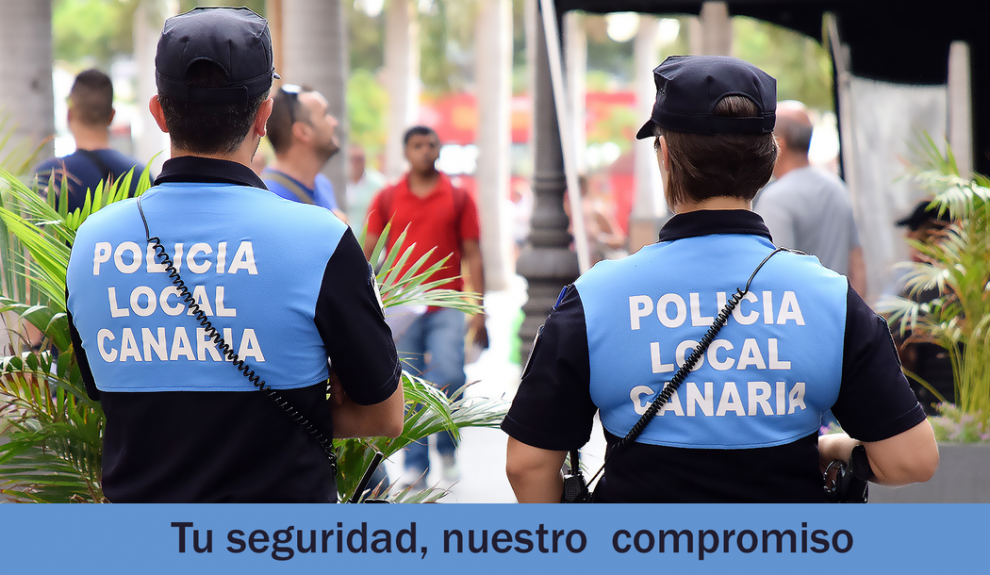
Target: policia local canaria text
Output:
[{"x": 285, "y": 543}]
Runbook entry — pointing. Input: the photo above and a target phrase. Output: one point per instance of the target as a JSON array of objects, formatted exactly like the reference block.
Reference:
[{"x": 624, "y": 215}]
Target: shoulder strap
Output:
[
  {"x": 289, "y": 184},
  {"x": 99, "y": 163}
]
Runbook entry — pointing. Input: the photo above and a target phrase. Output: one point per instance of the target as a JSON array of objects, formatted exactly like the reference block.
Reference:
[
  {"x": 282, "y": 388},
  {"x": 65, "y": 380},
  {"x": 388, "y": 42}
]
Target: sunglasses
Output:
[{"x": 292, "y": 92}]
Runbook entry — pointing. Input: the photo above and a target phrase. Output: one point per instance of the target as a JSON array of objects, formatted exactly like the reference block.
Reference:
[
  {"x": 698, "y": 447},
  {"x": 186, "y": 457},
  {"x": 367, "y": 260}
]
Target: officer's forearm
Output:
[
  {"x": 534, "y": 473},
  {"x": 380, "y": 419}
]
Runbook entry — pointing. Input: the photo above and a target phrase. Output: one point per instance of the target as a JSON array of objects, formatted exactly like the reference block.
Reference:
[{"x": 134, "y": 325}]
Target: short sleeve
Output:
[
  {"x": 553, "y": 408},
  {"x": 875, "y": 401},
  {"x": 777, "y": 218}
]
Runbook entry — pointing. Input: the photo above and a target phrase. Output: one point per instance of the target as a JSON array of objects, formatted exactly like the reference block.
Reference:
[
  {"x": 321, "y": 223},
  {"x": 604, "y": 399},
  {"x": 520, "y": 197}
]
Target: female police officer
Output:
[{"x": 744, "y": 424}]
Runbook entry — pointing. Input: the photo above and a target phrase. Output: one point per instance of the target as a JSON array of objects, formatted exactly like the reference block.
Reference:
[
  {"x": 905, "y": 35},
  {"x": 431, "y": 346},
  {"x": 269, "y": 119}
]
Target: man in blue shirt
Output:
[
  {"x": 89, "y": 117},
  {"x": 301, "y": 131}
]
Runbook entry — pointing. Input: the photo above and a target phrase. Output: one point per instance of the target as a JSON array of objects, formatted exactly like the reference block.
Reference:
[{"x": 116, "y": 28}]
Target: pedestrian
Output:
[
  {"x": 284, "y": 285},
  {"x": 363, "y": 182},
  {"x": 90, "y": 113},
  {"x": 742, "y": 422},
  {"x": 806, "y": 207},
  {"x": 302, "y": 133},
  {"x": 440, "y": 220}
]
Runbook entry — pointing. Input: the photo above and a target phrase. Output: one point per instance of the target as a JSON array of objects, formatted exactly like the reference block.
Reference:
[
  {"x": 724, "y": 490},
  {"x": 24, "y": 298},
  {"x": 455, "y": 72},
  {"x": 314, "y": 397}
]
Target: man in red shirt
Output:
[{"x": 436, "y": 216}]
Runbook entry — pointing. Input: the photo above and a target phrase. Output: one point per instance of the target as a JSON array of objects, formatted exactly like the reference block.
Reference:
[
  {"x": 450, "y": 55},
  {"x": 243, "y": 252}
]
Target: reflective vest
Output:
[
  {"x": 254, "y": 263},
  {"x": 767, "y": 377}
]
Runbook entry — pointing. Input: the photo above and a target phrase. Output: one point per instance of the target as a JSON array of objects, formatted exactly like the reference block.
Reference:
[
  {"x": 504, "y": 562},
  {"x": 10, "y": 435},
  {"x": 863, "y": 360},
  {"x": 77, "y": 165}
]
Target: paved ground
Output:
[{"x": 482, "y": 451}]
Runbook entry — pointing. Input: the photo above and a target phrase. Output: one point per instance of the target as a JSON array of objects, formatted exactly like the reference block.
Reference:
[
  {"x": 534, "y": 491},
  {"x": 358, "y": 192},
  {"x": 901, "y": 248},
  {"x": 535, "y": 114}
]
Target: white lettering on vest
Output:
[
  {"x": 129, "y": 346},
  {"x": 169, "y": 309},
  {"x": 115, "y": 311},
  {"x": 759, "y": 396},
  {"x": 673, "y": 405},
  {"x": 101, "y": 338},
  {"x": 153, "y": 267},
  {"x": 750, "y": 355},
  {"x": 150, "y": 306},
  {"x": 730, "y": 400},
  {"x": 157, "y": 344},
  {"x": 194, "y": 267},
  {"x": 204, "y": 345},
  {"x": 636, "y": 395},
  {"x": 243, "y": 260},
  {"x": 221, "y": 257},
  {"x": 789, "y": 310},
  {"x": 697, "y": 319},
  {"x": 713, "y": 355},
  {"x": 695, "y": 399},
  {"x": 640, "y": 306},
  {"x": 776, "y": 363},
  {"x": 752, "y": 316},
  {"x": 678, "y": 301},
  {"x": 101, "y": 254},
  {"x": 231, "y": 312},
  {"x": 684, "y": 349},
  {"x": 658, "y": 365},
  {"x": 118, "y": 257},
  {"x": 768, "y": 307},
  {"x": 795, "y": 398}
]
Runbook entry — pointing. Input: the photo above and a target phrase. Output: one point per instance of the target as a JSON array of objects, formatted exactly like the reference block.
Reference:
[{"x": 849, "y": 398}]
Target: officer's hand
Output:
[{"x": 337, "y": 395}]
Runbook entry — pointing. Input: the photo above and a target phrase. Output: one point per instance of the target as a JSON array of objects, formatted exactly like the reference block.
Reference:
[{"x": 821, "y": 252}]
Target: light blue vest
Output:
[
  {"x": 769, "y": 374},
  {"x": 254, "y": 262}
]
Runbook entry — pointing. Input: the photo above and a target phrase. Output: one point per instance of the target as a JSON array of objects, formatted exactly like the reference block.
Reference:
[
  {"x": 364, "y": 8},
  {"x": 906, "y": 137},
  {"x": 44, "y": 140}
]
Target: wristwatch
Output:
[{"x": 859, "y": 464}]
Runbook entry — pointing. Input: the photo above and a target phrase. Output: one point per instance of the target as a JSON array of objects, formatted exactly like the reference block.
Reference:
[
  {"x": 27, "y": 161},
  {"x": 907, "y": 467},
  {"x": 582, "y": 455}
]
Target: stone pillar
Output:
[
  {"x": 649, "y": 206},
  {"x": 314, "y": 46},
  {"x": 546, "y": 262},
  {"x": 493, "y": 41},
  {"x": 401, "y": 78}
]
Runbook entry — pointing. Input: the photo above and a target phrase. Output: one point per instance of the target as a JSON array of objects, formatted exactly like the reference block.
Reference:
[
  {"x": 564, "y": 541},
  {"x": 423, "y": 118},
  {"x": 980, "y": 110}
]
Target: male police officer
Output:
[
  {"x": 285, "y": 285},
  {"x": 744, "y": 425}
]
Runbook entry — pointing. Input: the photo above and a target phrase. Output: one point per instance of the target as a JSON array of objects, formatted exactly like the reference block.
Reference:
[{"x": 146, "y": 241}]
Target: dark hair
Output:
[
  {"x": 91, "y": 98},
  {"x": 286, "y": 109},
  {"x": 208, "y": 128},
  {"x": 418, "y": 131},
  {"x": 797, "y": 136},
  {"x": 706, "y": 166}
]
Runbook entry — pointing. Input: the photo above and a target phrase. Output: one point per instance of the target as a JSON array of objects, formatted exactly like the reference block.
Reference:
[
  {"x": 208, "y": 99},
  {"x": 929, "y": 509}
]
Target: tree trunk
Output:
[
  {"x": 494, "y": 89},
  {"x": 314, "y": 46},
  {"x": 401, "y": 78},
  {"x": 27, "y": 101},
  {"x": 148, "y": 138}
]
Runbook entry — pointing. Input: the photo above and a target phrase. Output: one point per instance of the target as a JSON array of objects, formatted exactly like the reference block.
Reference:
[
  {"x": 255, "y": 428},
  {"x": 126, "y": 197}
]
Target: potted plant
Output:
[
  {"x": 54, "y": 431},
  {"x": 955, "y": 266}
]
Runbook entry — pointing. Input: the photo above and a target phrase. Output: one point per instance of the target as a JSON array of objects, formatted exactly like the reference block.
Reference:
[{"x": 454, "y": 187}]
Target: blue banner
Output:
[{"x": 502, "y": 539}]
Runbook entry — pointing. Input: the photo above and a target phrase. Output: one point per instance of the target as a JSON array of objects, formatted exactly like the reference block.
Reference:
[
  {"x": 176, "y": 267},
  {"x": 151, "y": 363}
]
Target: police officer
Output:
[
  {"x": 743, "y": 426},
  {"x": 285, "y": 285}
]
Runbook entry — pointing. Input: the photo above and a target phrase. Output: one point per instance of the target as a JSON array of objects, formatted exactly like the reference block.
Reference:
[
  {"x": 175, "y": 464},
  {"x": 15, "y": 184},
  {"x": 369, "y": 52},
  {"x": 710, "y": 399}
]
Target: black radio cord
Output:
[
  {"x": 228, "y": 353},
  {"x": 671, "y": 386}
]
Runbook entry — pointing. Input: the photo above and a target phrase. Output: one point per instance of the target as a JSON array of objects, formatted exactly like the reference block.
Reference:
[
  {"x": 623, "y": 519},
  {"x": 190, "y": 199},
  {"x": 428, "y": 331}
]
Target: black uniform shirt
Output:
[
  {"x": 213, "y": 446},
  {"x": 553, "y": 407}
]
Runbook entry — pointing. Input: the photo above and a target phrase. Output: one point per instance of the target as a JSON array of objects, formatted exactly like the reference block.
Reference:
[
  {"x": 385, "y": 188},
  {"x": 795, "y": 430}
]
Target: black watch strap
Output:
[{"x": 859, "y": 464}]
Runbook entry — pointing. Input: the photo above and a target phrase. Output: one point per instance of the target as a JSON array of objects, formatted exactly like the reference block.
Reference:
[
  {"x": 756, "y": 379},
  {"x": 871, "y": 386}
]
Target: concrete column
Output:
[
  {"x": 493, "y": 41},
  {"x": 960, "y": 134},
  {"x": 27, "y": 100},
  {"x": 546, "y": 262},
  {"x": 149, "y": 18},
  {"x": 402, "y": 79},
  {"x": 649, "y": 206},
  {"x": 314, "y": 46}
]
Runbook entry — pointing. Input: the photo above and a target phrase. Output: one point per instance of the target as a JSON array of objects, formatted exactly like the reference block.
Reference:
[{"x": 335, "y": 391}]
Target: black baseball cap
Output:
[
  {"x": 236, "y": 39},
  {"x": 923, "y": 213},
  {"x": 689, "y": 88}
]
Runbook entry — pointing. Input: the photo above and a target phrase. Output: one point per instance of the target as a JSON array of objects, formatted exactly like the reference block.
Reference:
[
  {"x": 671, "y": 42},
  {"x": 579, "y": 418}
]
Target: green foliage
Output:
[
  {"x": 957, "y": 263},
  {"x": 367, "y": 108},
  {"x": 365, "y": 40},
  {"x": 801, "y": 65},
  {"x": 92, "y": 31},
  {"x": 54, "y": 430}
]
